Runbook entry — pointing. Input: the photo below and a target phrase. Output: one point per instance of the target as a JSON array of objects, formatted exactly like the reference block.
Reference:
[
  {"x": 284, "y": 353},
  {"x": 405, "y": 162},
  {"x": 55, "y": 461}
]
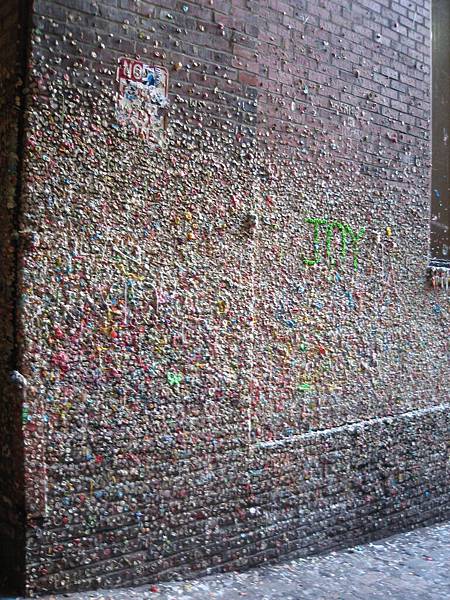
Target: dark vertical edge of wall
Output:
[{"x": 12, "y": 481}]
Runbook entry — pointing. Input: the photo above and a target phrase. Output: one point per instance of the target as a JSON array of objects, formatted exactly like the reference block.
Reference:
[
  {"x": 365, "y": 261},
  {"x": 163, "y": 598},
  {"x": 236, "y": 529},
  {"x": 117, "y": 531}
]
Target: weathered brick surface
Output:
[{"x": 146, "y": 267}]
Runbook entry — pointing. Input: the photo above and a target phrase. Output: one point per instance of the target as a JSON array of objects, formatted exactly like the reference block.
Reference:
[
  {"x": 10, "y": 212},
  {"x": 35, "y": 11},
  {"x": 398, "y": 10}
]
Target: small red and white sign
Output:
[{"x": 143, "y": 98}]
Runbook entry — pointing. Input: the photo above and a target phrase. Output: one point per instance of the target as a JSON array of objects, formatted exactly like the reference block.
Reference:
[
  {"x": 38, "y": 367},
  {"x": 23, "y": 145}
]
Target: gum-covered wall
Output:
[{"x": 231, "y": 350}]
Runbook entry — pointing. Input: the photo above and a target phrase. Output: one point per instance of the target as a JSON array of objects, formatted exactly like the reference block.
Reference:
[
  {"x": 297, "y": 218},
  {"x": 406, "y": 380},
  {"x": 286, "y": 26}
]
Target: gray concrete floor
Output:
[{"x": 409, "y": 566}]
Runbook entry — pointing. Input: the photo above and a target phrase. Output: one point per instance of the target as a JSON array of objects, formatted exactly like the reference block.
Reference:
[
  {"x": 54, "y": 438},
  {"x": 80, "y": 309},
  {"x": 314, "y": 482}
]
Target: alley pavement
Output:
[{"x": 409, "y": 566}]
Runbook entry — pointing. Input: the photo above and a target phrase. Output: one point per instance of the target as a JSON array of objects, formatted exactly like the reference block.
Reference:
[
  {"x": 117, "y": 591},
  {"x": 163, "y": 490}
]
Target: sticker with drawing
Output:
[{"x": 142, "y": 99}]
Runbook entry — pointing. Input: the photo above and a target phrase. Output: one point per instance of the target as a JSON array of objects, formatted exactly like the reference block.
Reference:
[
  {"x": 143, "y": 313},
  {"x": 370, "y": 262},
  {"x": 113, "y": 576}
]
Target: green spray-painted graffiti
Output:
[{"x": 348, "y": 237}]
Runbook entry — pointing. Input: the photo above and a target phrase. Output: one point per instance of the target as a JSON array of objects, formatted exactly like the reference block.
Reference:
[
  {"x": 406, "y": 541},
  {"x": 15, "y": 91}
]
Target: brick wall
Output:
[{"x": 231, "y": 348}]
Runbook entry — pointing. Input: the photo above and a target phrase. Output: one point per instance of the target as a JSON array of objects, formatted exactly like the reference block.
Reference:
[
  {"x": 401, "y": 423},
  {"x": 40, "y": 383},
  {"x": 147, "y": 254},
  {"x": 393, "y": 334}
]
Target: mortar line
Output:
[{"x": 353, "y": 426}]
